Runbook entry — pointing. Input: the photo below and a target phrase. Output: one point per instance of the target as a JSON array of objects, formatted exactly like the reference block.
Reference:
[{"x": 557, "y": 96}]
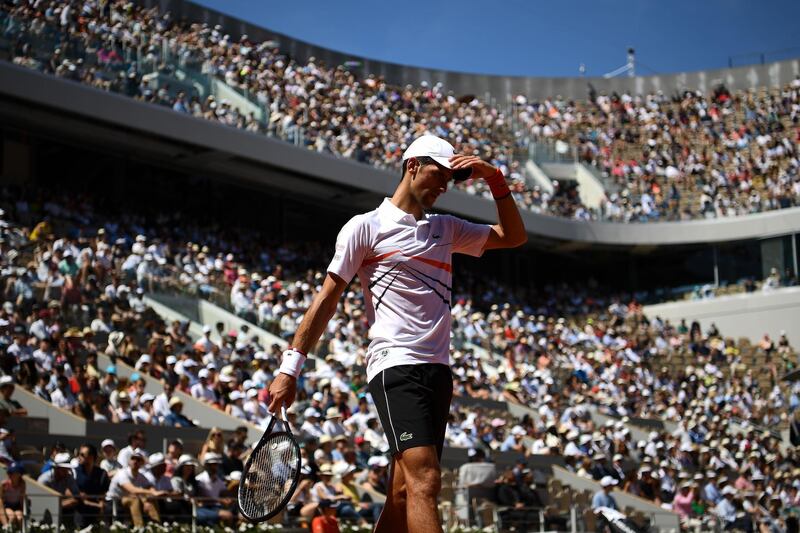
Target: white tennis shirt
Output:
[{"x": 405, "y": 269}]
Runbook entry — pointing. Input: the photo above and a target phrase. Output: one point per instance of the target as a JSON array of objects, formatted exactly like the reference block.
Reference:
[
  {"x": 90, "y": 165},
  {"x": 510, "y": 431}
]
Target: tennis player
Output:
[{"x": 402, "y": 256}]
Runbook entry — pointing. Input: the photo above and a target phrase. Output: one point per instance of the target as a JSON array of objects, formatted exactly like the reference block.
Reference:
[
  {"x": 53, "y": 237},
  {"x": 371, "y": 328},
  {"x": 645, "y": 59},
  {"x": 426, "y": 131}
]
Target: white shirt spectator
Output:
[{"x": 115, "y": 490}]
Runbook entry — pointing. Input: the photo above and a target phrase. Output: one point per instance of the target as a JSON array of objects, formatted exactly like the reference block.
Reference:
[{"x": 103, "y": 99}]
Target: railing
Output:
[
  {"x": 480, "y": 513},
  {"x": 36, "y": 510}
]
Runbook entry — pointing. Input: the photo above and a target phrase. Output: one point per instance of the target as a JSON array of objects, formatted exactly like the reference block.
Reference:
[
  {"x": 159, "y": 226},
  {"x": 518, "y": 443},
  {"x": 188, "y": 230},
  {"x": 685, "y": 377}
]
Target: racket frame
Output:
[{"x": 265, "y": 438}]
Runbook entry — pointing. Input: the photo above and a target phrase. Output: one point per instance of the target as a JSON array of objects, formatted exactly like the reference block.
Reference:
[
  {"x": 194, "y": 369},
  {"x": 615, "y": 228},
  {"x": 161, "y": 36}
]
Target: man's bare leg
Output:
[
  {"x": 423, "y": 480},
  {"x": 393, "y": 516}
]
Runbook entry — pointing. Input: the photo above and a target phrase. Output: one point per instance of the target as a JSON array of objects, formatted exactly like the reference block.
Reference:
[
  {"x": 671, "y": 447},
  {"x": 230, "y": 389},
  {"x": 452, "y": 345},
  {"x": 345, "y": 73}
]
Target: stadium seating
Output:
[{"x": 722, "y": 155}]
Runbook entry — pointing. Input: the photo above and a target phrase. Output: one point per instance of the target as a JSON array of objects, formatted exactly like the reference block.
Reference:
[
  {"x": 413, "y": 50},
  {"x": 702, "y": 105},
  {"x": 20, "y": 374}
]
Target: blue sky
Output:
[{"x": 535, "y": 38}]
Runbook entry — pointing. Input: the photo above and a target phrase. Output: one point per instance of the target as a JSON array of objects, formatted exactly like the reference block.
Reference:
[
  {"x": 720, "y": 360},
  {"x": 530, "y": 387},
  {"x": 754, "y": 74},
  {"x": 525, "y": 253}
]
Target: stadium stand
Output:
[
  {"x": 662, "y": 157},
  {"x": 139, "y": 347},
  {"x": 590, "y": 382}
]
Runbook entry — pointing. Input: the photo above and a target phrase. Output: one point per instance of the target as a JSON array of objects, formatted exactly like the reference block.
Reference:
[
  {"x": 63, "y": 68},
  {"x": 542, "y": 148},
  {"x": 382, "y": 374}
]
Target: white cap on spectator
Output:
[
  {"x": 378, "y": 460},
  {"x": 6, "y": 380},
  {"x": 518, "y": 430},
  {"x": 728, "y": 489},
  {"x": 236, "y": 395},
  {"x": 608, "y": 481},
  {"x": 211, "y": 457},
  {"x": 108, "y": 442},
  {"x": 146, "y": 397},
  {"x": 206, "y": 329},
  {"x": 186, "y": 459},
  {"x": 310, "y": 412},
  {"x": 252, "y": 393},
  {"x": 62, "y": 460},
  {"x": 156, "y": 459},
  {"x": 137, "y": 452},
  {"x": 317, "y": 396},
  {"x": 171, "y": 359},
  {"x": 332, "y": 412},
  {"x": 203, "y": 373},
  {"x": 144, "y": 358}
]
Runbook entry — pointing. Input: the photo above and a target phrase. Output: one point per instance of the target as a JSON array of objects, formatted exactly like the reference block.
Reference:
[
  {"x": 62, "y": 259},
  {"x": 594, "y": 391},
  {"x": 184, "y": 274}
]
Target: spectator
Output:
[
  {"x": 175, "y": 418},
  {"x": 12, "y": 495},
  {"x": 60, "y": 479},
  {"x": 184, "y": 483},
  {"x": 725, "y": 509},
  {"x": 7, "y": 404},
  {"x": 213, "y": 490},
  {"x": 603, "y": 497},
  {"x": 325, "y": 491},
  {"x": 367, "y": 510},
  {"x": 136, "y": 443},
  {"x": 131, "y": 488},
  {"x": 326, "y": 522},
  {"x": 301, "y": 504},
  {"x": 109, "y": 462},
  {"x": 215, "y": 442},
  {"x": 92, "y": 482}
]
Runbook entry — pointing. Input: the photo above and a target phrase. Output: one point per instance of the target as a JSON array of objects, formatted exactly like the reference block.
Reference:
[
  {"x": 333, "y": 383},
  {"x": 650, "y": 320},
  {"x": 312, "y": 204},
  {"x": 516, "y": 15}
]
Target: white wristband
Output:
[{"x": 292, "y": 362}]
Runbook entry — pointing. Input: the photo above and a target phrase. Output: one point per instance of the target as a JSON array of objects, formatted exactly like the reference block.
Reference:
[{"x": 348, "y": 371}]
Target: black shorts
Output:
[{"x": 413, "y": 402}]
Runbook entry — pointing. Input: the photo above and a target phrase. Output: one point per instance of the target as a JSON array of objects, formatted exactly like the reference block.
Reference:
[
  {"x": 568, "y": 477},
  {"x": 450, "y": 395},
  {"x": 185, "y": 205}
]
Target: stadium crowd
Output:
[
  {"x": 685, "y": 156},
  {"x": 667, "y": 158},
  {"x": 73, "y": 285}
]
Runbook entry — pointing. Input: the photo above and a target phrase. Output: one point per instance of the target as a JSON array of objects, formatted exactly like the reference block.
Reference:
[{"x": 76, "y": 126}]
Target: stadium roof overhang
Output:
[{"x": 72, "y": 111}]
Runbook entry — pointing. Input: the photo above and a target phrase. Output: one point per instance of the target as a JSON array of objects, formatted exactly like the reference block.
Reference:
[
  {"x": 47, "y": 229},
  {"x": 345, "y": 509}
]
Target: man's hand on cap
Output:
[{"x": 480, "y": 168}]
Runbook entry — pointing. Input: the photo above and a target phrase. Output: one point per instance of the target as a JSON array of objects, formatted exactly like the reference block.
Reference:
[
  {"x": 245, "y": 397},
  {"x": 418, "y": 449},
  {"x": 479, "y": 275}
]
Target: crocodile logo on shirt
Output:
[{"x": 406, "y": 436}]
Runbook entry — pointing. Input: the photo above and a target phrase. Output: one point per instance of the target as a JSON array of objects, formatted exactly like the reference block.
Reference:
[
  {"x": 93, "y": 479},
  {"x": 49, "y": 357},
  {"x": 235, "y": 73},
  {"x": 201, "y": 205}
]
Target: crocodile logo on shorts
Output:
[{"x": 406, "y": 436}]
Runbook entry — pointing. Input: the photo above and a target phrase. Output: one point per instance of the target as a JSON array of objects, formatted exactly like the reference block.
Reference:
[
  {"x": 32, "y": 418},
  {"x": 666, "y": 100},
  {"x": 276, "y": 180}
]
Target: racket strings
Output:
[{"x": 270, "y": 478}]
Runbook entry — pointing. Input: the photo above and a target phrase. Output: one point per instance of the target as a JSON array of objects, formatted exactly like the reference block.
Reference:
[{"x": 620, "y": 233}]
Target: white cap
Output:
[
  {"x": 518, "y": 430},
  {"x": 203, "y": 373},
  {"x": 156, "y": 459},
  {"x": 437, "y": 149},
  {"x": 309, "y": 412},
  {"x": 6, "y": 380},
  {"x": 431, "y": 146},
  {"x": 317, "y": 396},
  {"x": 608, "y": 481},
  {"x": 146, "y": 397},
  {"x": 236, "y": 395},
  {"x": 107, "y": 442},
  {"x": 206, "y": 329},
  {"x": 378, "y": 460},
  {"x": 211, "y": 457},
  {"x": 144, "y": 358},
  {"x": 62, "y": 460},
  {"x": 171, "y": 359},
  {"x": 138, "y": 452},
  {"x": 728, "y": 489}
]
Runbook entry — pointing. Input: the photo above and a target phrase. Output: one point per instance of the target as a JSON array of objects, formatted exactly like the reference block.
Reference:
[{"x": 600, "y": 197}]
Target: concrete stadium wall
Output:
[
  {"x": 741, "y": 315},
  {"x": 662, "y": 519},
  {"x": 79, "y": 111},
  {"x": 502, "y": 88},
  {"x": 203, "y": 414},
  {"x": 59, "y": 420}
]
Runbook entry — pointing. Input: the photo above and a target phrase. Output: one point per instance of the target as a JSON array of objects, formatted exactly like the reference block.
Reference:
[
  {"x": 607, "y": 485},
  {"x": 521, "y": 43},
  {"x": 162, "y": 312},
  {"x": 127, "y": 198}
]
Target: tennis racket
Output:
[{"x": 271, "y": 473}]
